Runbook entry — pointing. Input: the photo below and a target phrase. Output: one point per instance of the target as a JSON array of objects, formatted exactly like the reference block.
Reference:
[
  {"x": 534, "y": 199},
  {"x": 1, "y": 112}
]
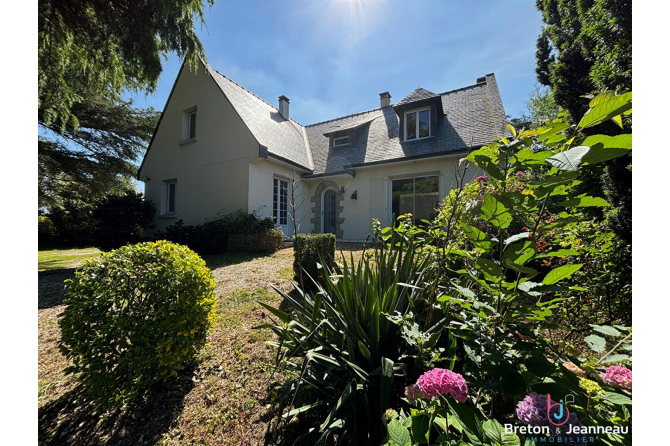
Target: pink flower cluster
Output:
[
  {"x": 619, "y": 377},
  {"x": 520, "y": 174},
  {"x": 481, "y": 179},
  {"x": 438, "y": 382}
]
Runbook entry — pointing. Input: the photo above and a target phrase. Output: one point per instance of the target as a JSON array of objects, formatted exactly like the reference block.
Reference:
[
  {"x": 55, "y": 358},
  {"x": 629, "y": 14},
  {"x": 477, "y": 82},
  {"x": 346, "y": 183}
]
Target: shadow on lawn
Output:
[
  {"x": 50, "y": 287},
  {"x": 73, "y": 419}
]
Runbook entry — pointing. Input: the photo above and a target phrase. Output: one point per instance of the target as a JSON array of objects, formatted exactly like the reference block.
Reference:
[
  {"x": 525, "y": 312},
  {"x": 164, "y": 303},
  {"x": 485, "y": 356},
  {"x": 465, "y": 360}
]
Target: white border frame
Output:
[{"x": 417, "y": 111}]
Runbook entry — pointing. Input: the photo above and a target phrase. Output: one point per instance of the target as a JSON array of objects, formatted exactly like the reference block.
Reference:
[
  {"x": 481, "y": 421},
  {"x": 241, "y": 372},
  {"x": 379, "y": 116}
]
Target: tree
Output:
[
  {"x": 97, "y": 158},
  {"x": 109, "y": 47},
  {"x": 89, "y": 54},
  {"x": 121, "y": 219},
  {"x": 585, "y": 49}
]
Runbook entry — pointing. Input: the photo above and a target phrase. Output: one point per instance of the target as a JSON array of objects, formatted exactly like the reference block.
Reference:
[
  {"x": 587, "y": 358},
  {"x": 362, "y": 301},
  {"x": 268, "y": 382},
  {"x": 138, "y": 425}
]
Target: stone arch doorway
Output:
[{"x": 327, "y": 207}]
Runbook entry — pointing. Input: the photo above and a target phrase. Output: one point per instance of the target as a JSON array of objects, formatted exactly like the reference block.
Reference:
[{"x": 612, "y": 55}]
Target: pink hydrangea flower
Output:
[
  {"x": 481, "y": 179},
  {"x": 520, "y": 174},
  {"x": 438, "y": 382},
  {"x": 574, "y": 368},
  {"x": 413, "y": 393},
  {"x": 619, "y": 377}
]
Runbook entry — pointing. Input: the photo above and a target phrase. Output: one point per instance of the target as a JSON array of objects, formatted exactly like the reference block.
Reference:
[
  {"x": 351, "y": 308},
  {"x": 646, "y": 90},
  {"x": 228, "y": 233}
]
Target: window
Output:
[
  {"x": 417, "y": 124},
  {"x": 340, "y": 141},
  {"x": 191, "y": 125},
  {"x": 280, "y": 202},
  {"x": 170, "y": 189},
  {"x": 188, "y": 124},
  {"x": 416, "y": 196}
]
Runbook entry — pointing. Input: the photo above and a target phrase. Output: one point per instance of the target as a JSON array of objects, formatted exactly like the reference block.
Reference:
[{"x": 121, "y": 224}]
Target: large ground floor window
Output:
[
  {"x": 417, "y": 196},
  {"x": 280, "y": 202}
]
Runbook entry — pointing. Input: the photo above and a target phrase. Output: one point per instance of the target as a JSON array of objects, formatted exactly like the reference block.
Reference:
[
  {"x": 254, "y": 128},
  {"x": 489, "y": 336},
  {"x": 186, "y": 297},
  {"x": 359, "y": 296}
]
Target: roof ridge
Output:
[
  {"x": 461, "y": 88},
  {"x": 343, "y": 117},
  {"x": 250, "y": 92}
]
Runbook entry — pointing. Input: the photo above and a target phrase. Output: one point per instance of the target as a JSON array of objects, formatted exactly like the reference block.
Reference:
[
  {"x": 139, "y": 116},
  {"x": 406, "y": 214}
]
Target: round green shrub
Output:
[{"x": 136, "y": 316}]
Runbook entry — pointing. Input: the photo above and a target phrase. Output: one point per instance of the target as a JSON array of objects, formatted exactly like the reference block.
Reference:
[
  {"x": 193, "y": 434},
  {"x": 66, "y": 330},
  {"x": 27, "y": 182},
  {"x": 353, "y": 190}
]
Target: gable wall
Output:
[{"x": 212, "y": 172}]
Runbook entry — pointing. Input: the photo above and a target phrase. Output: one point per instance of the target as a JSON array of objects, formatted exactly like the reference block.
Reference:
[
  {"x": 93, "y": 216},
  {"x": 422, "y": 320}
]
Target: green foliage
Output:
[
  {"x": 264, "y": 242},
  {"x": 309, "y": 251},
  {"x": 46, "y": 231},
  {"x": 121, "y": 220},
  {"x": 586, "y": 49},
  {"x": 135, "y": 316},
  {"x": 104, "y": 48},
  {"x": 513, "y": 252},
  {"x": 212, "y": 236},
  {"x": 348, "y": 347},
  {"x": 99, "y": 158}
]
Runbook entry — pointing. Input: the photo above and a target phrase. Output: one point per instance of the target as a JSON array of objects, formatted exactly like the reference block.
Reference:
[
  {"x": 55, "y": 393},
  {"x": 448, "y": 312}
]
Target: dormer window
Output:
[
  {"x": 341, "y": 141},
  {"x": 417, "y": 124}
]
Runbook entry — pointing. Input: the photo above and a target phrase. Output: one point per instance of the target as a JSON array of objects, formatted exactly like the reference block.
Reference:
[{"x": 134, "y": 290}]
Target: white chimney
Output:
[
  {"x": 384, "y": 99},
  {"x": 283, "y": 106}
]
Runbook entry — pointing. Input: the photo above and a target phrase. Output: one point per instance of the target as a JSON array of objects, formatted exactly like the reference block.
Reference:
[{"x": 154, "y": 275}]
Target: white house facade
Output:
[{"x": 220, "y": 148}]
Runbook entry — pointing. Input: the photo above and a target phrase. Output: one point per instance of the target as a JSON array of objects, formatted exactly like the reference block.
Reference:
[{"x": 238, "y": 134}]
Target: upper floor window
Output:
[
  {"x": 340, "y": 141},
  {"x": 188, "y": 123},
  {"x": 191, "y": 125},
  {"x": 417, "y": 124}
]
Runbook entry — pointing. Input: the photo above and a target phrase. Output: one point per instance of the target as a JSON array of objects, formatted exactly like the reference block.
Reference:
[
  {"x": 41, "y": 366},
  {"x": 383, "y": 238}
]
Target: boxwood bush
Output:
[
  {"x": 264, "y": 242},
  {"x": 135, "y": 316},
  {"x": 310, "y": 249}
]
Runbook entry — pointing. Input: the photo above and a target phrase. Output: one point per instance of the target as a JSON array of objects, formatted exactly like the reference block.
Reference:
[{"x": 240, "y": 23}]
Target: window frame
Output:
[
  {"x": 186, "y": 128},
  {"x": 279, "y": 203},
  {"x": 417, "y": 111},
  {"x": 166, "y": 202},
  {"x": 412, "y": 177},
  {"x": 347, "y": 138},
  {"x": 192, "y": 124}
]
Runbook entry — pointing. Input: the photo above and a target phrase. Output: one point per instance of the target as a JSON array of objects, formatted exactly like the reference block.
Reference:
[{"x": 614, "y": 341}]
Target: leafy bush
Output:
[
  {"x": 135, "y": 316},
  {"x": 308, "y": 250},
  {"x": 46, "y": 232},
  {"x": 476, "y": 293},
  {"x": 264, "y": 242},
  {"x": 121, "y": 220},
  {"x": 212, "y": 236},
  {"x": 346, "y": 357}
]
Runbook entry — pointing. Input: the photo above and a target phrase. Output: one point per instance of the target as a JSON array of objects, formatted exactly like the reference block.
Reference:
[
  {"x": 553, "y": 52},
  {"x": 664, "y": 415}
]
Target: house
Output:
[{"x": 219, "y": 147}]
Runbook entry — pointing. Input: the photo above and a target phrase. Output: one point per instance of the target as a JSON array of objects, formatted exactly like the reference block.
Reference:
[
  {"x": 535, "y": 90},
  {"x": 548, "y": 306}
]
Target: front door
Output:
[
  {"x": 280, "y": 206},
  {"x": 329, "y": 211}
]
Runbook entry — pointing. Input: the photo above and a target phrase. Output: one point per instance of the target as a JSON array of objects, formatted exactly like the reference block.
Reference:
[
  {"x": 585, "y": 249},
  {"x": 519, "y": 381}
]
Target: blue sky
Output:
[{"x": 334, "y": 57}]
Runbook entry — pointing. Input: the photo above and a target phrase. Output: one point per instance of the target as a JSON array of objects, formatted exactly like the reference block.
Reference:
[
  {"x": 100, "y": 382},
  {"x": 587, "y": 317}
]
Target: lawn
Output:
[
  {"x": 55, "y": 259},
  {"x": 224, "y": 400}
]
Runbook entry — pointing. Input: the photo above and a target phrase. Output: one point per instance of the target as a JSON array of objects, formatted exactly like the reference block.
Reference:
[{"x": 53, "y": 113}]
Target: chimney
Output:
[
  {"x": 384, "y": 99},
  {"x": 481, "y": 80},
  {"x": 283, "y": 106}
]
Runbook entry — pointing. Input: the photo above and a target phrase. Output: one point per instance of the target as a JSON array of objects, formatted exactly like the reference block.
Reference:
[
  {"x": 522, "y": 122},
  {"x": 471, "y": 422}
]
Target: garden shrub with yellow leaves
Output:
[{"x": 136, "y": 316}]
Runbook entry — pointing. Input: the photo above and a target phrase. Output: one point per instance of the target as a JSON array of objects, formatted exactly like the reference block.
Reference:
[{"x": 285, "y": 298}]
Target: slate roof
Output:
[
  {"x": 282, "y": 137},
  {"x": 473, "y": 116},
  {"x": 417, "y": 95}
]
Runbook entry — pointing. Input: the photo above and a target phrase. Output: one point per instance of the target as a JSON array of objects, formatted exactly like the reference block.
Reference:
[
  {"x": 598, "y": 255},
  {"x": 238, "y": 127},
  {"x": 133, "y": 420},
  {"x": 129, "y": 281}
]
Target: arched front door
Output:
[{"x": 329, "y": 211}]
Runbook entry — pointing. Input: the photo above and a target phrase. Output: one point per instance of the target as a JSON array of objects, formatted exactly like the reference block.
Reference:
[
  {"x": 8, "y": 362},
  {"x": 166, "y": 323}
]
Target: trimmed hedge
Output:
[
  {"x": 268, "y": 241},
  {"x": 135, "y": 316},
  {"x": 308, "y": 249},
  {"x": 212, "y": 236}
]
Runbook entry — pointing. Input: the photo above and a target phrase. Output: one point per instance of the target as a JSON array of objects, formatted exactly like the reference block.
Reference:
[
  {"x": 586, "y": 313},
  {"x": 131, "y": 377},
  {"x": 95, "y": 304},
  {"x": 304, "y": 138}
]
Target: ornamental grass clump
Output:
[{"x": 135, "y": 316}]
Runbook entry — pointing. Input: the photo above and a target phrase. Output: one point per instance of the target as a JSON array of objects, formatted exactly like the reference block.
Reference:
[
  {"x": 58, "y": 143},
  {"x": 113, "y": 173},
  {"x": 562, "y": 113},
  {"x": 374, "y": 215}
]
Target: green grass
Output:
[{"x": 54, "y": 259}]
